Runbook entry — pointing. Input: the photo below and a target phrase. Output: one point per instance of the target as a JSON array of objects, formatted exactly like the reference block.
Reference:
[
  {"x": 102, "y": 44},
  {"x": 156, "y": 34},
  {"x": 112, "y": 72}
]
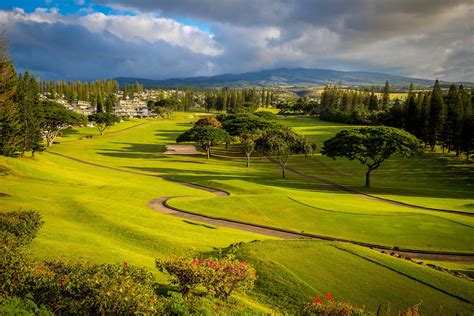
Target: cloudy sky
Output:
[{"x": 95, "y": 39}]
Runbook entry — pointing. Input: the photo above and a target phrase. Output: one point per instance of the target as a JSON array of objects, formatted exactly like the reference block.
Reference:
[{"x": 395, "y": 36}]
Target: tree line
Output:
[
  {"x": 29, "y": 124},
  {"x": 74, "y": 91},
  {"x": 26, "y": 121},
  {"x": 436, "y": 118}
]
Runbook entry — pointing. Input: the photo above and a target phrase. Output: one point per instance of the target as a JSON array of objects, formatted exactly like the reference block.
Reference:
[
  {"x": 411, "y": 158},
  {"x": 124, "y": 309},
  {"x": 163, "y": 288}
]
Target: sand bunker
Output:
[{"x": 180, "y": 150}]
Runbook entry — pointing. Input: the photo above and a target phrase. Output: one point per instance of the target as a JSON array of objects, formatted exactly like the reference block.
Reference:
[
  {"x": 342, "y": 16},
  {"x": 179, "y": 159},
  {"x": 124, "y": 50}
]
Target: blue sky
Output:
[{"x": 94, "y": 39}]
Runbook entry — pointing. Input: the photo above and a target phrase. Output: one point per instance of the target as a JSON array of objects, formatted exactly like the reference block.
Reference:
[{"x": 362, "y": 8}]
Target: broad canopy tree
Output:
[
  {"x": 282, "y": 142},
  {"x": 206, "y": 136},
  {"x": 104, "y": 120},
  {"x": 248, "y": 129},
  {"x": 165, "y": 108},
  {"x": 55, "y": 117},
  {"x": 371, "y": 146}
]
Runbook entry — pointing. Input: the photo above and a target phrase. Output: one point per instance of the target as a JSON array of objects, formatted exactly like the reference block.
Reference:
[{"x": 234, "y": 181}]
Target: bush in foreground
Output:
[
  {"x": 220, "y": 277},
  {"x": 327, "y": 306}
]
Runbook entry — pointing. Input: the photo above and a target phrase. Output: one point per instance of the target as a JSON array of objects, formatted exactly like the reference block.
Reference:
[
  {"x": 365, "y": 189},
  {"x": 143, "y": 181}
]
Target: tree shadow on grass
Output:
[
  {"x": 267, "y": 182},
  {"x": 133, "y": 150}
]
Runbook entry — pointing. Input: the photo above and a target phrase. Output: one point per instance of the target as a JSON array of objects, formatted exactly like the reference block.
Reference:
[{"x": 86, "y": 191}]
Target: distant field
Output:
[{"x": 101, "y": 215}]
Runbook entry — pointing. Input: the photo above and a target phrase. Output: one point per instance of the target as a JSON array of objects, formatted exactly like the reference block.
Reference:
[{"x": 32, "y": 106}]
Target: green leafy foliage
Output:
[
  {"x": 283, "y": 142},
  {"x": 165, "y": 108},
  {"x": 12, "y": 305},
  {"x": 209, "y": 121},
  {"x": 327, "y": 306},
  {"x": 206, "y": 136},
  {"x": 104, "y": 121},
  {"x": 371, "y": 146},
  {"x": 18, "y": 228},
  {"x": 221, "y": 277},
  {"x": 54, "y": 118},
  {"x": 95, "y": 289}
]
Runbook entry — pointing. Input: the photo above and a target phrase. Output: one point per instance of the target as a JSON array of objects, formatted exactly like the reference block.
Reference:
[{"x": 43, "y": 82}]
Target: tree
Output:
[
  {"x": 248, "y": 128},
  {"x": 452, "y": 128},
  {"x": 249, "y": 141},
  {"x": 283, "y": 142},
  {"x": 467, "y": 135},
  {"x": 436, "y": 115},
  {"x": 411, "y": 115},
  {"x": 209, "y": 121},
  {"x": 109, "y": 103},
  {"x": 165, "y": 108},
  {"x": 9, "y": 118},
  {"x": 424, "y": 118},
  {"x": 26, "y": 99},
  {"x": 54, "y": 118},
  {"x": 206, "y": 136},
  {"x": 386, "y": 96},
  {"x": 371, "y": 146},
  {"x": 104, "y": 121}
]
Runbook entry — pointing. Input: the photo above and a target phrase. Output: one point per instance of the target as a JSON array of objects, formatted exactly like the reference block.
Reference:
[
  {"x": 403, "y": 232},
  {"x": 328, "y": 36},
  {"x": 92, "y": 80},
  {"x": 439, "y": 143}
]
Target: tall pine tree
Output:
[{"x": 436, "y": 115}]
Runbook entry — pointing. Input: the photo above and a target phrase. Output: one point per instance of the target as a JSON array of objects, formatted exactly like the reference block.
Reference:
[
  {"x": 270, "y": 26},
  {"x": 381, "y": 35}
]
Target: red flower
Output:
[
  {"x": 317, "y": 300},
  {"x": 329, "y": 297},
  {"x": 125, "y": 264},
  {"x": 63, "y": 281}
]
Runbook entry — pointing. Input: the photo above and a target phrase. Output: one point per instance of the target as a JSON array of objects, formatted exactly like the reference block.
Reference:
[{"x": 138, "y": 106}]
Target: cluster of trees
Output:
[
  {"x": 25, "y": 121},
  {"x": 237, "y": 100},
  {"x": 130, "y": 90},
  {"x": 230, "y": 100},
  {"x": 253, "y": 132},
  {"x": 334, "y": 99},
  {"x": 436, "y": 118},
  {"x": 77, "y": 90}
]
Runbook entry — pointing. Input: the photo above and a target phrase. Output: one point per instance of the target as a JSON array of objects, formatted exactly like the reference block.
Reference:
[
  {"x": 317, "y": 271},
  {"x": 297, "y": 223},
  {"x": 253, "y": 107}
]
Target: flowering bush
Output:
[
  {"x": 220, "y": 277},
  {"x": 94, "y": 289},
  {"x": 327, "y": 306}
]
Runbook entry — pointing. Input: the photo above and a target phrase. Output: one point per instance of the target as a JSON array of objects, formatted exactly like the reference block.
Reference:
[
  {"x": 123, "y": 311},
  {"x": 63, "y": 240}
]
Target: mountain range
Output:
[{"x": 285, "y": 77}]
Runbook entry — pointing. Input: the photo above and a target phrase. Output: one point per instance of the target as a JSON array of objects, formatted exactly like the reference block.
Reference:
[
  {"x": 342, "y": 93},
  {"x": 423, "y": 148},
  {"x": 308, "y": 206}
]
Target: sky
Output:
[{"x": 159, "y": 39}]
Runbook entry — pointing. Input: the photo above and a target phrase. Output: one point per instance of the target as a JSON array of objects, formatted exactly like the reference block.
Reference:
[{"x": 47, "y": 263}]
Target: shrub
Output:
[
  {"x": 221, "y": 277},
  {"x": 95, "y": 289},
  {"x": 185, "y": 274},
  {"x": 208, "y": 120},
  {"x": 17, "y": 306},
  {"x": 229, "y": 275},
  {"x": 326, "y": 306},
  {"x": 18, "y": 228},
  {"x": 266, "y": 115}
]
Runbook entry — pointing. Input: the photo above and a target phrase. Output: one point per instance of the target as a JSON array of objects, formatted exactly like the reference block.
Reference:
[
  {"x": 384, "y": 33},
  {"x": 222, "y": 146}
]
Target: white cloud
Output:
[
  {"x": 137, "y": 27},
  {"x": 151, "y": 29}
]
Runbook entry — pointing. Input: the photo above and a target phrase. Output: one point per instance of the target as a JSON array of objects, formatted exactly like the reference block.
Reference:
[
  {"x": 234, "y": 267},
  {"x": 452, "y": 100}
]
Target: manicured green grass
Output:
[
  {"x": 290, "y": 273},
  {"x": 433, "y": 180},
  {"x": 101, "y": 214}
]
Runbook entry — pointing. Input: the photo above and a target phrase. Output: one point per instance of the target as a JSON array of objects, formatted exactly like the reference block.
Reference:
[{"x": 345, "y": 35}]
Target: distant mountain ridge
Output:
[{"x": 285, "y": 77}]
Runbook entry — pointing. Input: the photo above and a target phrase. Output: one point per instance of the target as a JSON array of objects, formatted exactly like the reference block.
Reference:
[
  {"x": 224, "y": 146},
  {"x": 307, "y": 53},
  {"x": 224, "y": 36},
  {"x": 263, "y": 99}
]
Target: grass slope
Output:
[
  {"x": 434, "y": 180},
  {"x": 101, "y": 214},
  {"x": 290, "y": 273}
]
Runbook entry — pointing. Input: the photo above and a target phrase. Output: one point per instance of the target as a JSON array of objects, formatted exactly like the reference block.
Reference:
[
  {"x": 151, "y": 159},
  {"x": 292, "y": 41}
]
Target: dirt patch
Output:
[{"x": 180, "y": 150}]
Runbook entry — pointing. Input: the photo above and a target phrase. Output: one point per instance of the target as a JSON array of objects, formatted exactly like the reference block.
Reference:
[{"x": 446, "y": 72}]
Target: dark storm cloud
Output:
[
  {"x": 72, "y": 52},
  {"x": 423, "y": 38}
]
